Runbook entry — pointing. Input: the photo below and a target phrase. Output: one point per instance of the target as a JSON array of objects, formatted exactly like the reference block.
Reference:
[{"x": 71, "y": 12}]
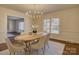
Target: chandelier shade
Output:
[{"x": 34, "y": 12}]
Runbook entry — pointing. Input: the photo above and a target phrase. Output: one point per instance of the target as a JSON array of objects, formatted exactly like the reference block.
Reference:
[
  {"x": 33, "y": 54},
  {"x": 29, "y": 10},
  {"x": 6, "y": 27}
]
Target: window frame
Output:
[
  {"x": 55, "y": 25},
  {"x": 47, "y": 27},
  {"x": 50, "y": 26}
]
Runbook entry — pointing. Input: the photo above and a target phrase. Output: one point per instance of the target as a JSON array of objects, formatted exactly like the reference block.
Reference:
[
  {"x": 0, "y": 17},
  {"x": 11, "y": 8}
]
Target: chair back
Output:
[
  {"x": 47, "y": 37},
  {"x": 44, "y": 37},
  {"x": 42, "y": 41}
]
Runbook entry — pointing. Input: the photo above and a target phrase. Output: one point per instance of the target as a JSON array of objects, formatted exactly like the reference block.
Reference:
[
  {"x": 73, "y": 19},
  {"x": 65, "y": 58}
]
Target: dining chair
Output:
[
  {"x": 39, "y": 45},
  {"x": 14, "y": 47},
  {"x": 47, "y": 38}
]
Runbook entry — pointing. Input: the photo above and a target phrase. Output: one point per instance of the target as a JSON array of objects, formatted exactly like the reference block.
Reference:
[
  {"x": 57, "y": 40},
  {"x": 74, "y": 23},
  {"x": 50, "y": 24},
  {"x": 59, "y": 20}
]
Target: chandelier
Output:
[
  {"x": 35, "y": 14},
  {"x": 34, "y": 10}
]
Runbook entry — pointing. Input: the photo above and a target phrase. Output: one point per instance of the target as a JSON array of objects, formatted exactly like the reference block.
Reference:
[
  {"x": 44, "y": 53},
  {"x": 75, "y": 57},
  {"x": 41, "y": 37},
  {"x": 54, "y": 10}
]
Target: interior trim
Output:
[{"x": 64, "y": 42}]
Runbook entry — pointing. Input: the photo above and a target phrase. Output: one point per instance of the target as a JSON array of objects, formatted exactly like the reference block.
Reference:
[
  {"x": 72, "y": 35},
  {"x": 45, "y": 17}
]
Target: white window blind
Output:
[
  {"x": 51, "y": 25},
  {"x": 21, "y": 26},
  {"x": 55, "y": 25},
  {"x": 47, "y": 25}
]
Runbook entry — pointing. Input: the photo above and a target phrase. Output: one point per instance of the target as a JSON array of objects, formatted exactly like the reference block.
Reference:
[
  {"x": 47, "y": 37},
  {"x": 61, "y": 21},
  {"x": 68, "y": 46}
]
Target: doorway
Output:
[{"x": 15, "y": 25}]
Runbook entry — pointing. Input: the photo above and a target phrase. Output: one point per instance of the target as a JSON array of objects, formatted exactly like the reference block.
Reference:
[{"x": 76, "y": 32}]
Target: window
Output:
[
  {"x": 21, "y": 26},
  {"x": 55, "y": 25},
  {"x": 52, "y": 25},
  {"x": 47, "y": 25}
]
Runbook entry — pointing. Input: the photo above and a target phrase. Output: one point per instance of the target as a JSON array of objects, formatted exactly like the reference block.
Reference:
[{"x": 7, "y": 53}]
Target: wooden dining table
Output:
[{"x": 28, "y": 38}]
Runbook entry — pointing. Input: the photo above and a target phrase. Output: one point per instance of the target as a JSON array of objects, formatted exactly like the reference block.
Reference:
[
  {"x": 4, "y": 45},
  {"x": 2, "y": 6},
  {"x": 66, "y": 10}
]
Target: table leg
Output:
[{"x": 28, "y": 46}]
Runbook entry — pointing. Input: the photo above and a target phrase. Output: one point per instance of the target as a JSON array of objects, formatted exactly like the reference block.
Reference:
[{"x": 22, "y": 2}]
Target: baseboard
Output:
[{"x": 64, "y": 42}]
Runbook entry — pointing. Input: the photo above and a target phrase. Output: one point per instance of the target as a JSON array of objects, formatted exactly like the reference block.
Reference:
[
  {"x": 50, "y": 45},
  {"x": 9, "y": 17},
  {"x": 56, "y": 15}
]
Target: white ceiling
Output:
[{"x": 41, "y": 7}]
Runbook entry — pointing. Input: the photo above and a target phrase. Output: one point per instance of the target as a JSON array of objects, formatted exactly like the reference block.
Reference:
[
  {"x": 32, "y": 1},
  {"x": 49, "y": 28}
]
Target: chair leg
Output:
[
  {"x": 25, "y": 51},
  {"x": 37, "y": 51},
  {"x": 10, "y": 53},
  {"x": 44, "y": 47},
  {"x": 29, "y": 52},
  {"x": 43, "y": 50},
  {"x": 29, "y": 48},
  {"x": 48, "y": 44},
  {"x": 14, "y": 53}
]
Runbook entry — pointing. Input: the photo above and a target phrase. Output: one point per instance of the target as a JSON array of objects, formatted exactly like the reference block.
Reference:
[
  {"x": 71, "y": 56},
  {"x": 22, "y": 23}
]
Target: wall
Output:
[
  {"x": 4, "y": 12},
  {"x": 69, "y": 21},
  {"x": 69, "y": 24}
]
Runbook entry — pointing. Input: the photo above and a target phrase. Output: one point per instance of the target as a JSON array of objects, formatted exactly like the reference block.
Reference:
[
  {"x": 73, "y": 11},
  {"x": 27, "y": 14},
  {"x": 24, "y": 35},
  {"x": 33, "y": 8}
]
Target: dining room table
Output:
[{"x": 27, "y": 38}]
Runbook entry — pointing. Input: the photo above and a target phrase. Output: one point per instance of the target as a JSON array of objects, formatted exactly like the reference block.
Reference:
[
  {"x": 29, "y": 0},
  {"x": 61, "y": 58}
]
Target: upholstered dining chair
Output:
[
  {"x": 47, "y": 38},
  {"x": 16, "y": 47},
  {"x": 39, "y": 45}
]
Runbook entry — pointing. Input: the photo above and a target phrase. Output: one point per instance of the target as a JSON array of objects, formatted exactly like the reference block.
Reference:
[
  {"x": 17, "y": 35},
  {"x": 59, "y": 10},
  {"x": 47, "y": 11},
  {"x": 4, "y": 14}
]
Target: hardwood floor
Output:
[
  {"x": 3, "y": 46},
  {"x": 55, "y": 48},
  {"x": 71, "y": 49},
  {"x": 68, "y": 49}
]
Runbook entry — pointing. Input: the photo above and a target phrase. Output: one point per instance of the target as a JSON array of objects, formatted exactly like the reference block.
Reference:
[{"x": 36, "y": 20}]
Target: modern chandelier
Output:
[
  {"x": 35, "y": 14},
  {"x": 35, "y": 10}
]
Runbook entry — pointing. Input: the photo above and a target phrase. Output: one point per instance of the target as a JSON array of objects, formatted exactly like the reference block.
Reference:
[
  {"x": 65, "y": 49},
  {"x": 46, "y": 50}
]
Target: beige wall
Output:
[
  {"x": 4, "y": 12},
  {"x": 69, "y": 24},
  {"x": 69, "y": 21}
]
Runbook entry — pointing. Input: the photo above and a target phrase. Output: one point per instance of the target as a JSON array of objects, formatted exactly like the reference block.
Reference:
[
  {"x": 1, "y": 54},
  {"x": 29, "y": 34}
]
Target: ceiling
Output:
[{"x": 46, "y": 8}]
